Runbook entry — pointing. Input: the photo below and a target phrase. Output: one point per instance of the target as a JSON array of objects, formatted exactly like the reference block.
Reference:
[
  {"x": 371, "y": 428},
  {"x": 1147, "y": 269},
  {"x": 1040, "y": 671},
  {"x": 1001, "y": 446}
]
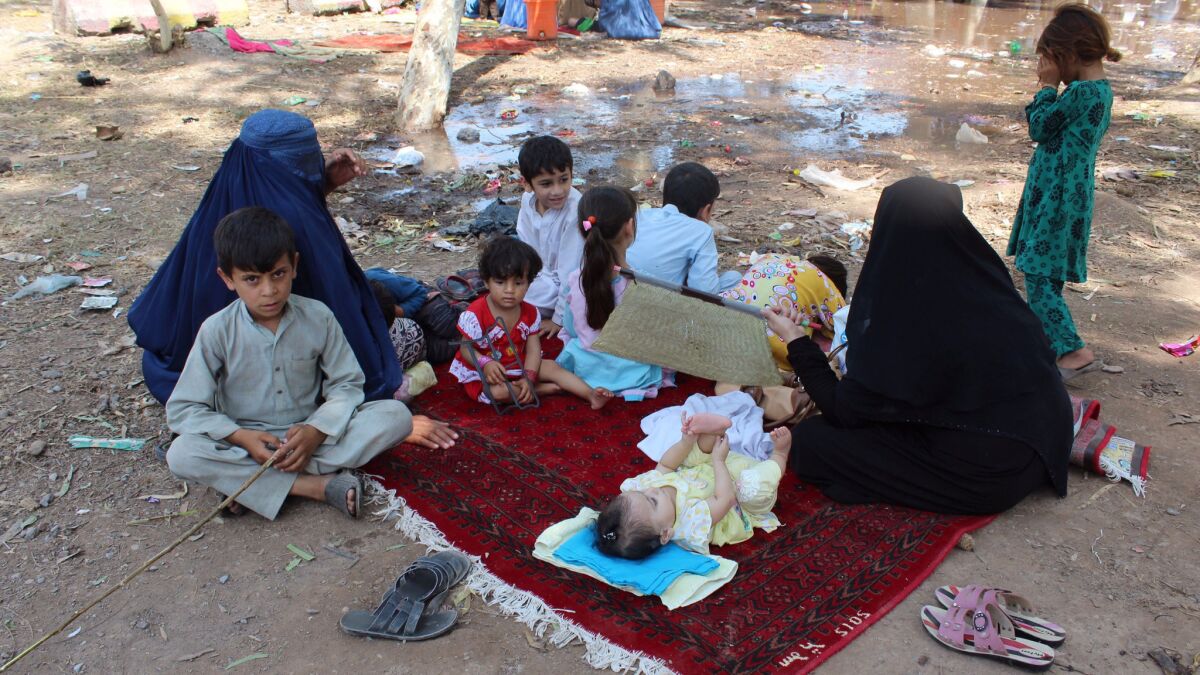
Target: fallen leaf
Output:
[
  {"x": 16, "y": 528},
  {"x": 534, "y": 642},
  {"x": 246, "y": 659},
  {"x": 308, "y": 557},
  {"x": 178, "y": 495},
  {"x": 66, "y": 486}
]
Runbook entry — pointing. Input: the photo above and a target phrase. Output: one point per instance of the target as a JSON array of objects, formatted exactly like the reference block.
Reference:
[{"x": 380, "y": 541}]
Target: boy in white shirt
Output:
[{"x": 549, "y": 222}]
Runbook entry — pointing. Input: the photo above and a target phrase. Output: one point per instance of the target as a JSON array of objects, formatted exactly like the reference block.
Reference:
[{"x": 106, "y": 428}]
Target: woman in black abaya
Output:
[{"x": 952, "y": 402}]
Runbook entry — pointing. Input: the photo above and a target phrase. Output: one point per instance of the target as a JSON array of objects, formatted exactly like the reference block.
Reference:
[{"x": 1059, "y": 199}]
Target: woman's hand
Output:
[
  {"x": 1047, "y": 72},
  {"x": 341, "y": 167},
  {"x": 784, "y": 322}
]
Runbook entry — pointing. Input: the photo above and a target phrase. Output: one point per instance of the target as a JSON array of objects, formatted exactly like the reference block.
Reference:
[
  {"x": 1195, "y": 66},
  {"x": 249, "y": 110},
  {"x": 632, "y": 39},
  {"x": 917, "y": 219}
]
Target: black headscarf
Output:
[{"x": 938, "y": 330}]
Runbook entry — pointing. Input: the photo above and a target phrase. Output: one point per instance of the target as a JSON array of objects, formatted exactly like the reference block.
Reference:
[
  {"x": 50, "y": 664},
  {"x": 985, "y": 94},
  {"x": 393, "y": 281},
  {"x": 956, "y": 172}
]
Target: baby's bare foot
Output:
[
  {"x": 706, "y": 423},
  {"x": 599, "y": 397},
  {"x": 781, "y": 438}
]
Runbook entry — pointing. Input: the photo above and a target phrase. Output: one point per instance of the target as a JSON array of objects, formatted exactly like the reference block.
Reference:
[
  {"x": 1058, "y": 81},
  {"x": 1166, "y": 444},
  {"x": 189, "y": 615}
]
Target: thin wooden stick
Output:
[{"x": 183, "y": 537}]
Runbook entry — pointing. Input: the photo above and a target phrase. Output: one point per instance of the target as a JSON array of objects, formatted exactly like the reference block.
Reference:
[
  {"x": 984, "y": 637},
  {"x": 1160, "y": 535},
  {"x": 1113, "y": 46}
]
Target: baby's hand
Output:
[
  {"x": 549, "y": 330},
  {"x": 721, "y": 449}
]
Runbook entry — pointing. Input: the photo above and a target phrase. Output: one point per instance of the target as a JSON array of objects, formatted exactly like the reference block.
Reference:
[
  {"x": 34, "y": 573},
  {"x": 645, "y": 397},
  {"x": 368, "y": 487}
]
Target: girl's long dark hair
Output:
[{"x": 608, "y": 209}]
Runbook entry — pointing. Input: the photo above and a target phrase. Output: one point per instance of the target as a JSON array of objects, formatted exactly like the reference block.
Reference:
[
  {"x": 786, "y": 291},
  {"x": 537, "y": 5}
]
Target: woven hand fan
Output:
[{"x": 689, "y": 331}]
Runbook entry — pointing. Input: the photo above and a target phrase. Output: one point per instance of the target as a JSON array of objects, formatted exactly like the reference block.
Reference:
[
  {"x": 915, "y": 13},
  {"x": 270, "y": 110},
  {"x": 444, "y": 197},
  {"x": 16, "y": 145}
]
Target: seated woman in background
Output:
[{"x": 276, "y": 163}]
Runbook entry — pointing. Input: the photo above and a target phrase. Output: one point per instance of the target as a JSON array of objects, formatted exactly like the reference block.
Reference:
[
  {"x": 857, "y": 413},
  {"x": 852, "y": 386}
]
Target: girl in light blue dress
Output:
[{"x": 608, "y": 222}]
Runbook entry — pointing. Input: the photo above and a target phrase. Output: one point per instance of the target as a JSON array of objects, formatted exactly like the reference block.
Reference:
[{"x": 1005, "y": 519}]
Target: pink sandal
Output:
[
  {"x": 985, "y": 630},
  {"x": 1018, "y": 609}
]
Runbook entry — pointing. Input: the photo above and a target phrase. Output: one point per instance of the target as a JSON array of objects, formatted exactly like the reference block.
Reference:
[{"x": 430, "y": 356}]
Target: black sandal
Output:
[{"x": 411, "y": 611}]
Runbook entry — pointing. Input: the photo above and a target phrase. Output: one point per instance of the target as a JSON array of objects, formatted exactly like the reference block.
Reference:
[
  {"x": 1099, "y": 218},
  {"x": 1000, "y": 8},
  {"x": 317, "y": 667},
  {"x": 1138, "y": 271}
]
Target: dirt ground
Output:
[{"x": 853, "y": 87}]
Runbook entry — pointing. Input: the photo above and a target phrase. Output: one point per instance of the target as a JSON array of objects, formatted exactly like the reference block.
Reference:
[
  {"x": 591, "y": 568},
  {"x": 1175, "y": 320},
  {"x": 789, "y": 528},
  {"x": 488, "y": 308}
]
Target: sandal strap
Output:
[
  {"x": 967, "y": 597},
  {"x": 984, "y": 623},
  {"x": 394, "y": 611},
  {"x": 336, "y": 489},
  {"x": 970, "y": 596}
]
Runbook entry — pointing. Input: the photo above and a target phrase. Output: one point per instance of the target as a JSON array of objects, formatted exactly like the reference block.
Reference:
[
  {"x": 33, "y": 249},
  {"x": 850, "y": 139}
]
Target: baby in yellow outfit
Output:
[{"x": 699, "y": 494}]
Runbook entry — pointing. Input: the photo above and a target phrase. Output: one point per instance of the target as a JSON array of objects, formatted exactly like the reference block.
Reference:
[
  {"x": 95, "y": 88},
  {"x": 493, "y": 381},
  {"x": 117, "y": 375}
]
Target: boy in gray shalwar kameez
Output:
[{"x": 273, "y": 373}]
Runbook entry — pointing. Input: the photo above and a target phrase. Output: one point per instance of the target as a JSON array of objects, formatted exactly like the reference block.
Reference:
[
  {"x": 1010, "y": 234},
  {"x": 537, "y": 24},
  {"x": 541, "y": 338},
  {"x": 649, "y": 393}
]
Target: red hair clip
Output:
[{"x": 588, "y": 223}]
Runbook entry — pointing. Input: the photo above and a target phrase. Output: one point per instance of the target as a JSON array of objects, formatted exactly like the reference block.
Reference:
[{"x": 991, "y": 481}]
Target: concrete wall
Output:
[
  {"x": 89, "y": 17},
  {"x": 340, "y": 6}
]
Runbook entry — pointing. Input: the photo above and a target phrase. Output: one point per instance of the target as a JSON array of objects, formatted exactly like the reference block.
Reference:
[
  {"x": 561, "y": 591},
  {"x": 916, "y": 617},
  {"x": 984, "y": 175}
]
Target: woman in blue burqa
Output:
[{"x": 275, "y": 163}]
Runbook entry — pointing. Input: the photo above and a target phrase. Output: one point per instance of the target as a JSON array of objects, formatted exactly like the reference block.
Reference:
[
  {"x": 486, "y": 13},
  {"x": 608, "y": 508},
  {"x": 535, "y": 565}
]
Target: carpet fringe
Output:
[
  {"x": 1116, "y": 472},
  {"x": 543, "y": 620}
]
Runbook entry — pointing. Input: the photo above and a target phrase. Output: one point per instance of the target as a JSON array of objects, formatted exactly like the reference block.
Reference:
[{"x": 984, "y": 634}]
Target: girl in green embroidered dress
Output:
[{"x": 1053, "y": 222}]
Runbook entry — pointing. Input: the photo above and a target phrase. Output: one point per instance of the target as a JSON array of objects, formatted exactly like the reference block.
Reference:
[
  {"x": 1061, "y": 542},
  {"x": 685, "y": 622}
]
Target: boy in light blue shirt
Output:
[{"x": 675, "y": 243}]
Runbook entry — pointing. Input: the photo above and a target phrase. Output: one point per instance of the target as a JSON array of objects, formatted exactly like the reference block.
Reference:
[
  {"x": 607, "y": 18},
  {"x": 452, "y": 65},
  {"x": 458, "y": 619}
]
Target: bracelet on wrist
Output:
[{"x": 532, "y": 375}]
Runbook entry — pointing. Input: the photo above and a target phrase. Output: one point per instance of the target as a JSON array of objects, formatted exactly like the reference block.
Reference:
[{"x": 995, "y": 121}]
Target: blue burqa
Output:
[
  {"x": 514, "y": 14},
  {"x": 629, "y": 20},
  {"x": 275, "y": 163}
]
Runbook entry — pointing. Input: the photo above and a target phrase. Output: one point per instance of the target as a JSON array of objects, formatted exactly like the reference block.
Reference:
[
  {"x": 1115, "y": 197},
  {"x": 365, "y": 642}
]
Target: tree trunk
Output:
[
  {"x": 426, "y": 87},
  {"x": 1193, "y": 73}
]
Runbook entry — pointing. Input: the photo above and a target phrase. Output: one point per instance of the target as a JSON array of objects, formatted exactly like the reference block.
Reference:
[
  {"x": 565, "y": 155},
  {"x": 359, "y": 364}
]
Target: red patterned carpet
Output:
[{"x": 801, "y": 593}]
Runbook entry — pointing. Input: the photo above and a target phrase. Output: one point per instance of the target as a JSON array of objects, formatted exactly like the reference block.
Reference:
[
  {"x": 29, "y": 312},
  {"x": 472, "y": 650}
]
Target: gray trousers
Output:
[{"x": 375, "y": 427}]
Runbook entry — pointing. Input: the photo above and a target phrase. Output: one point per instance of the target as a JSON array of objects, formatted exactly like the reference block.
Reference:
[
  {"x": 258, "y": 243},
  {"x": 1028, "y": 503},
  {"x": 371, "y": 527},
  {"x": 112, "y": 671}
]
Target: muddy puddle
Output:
[
  {"x": 633, "y": 131},
  {"x": 819, "y": 110},
  {"x": 1154, "y": 29}
]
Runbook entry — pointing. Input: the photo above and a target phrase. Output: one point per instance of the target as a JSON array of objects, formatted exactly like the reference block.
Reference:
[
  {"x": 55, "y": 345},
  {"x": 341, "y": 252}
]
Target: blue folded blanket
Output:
[{"x": 651, "y": 575}]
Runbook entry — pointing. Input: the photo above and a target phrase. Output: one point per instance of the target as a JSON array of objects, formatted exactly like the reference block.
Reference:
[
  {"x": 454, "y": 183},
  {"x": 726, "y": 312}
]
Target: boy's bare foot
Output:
[
  {"x": 234, "y": 508},
  {"x": 599, "y": 397},
  {"x": 781, "y": 438}
]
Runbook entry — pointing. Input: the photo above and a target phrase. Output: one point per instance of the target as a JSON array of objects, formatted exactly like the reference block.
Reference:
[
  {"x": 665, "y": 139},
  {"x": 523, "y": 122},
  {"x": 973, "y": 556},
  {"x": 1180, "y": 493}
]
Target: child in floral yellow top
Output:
[{"x": 714, "y": 497}]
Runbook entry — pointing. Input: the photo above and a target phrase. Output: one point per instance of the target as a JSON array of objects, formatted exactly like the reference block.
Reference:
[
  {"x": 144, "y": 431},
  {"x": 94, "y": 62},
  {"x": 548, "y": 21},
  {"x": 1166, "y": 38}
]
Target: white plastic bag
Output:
[
  {"x": 47, "y": 285},
  {"x": 408, "y": 156},
  {"x": 969, "y": 136},
  {"x": 834, "y": 179}
]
